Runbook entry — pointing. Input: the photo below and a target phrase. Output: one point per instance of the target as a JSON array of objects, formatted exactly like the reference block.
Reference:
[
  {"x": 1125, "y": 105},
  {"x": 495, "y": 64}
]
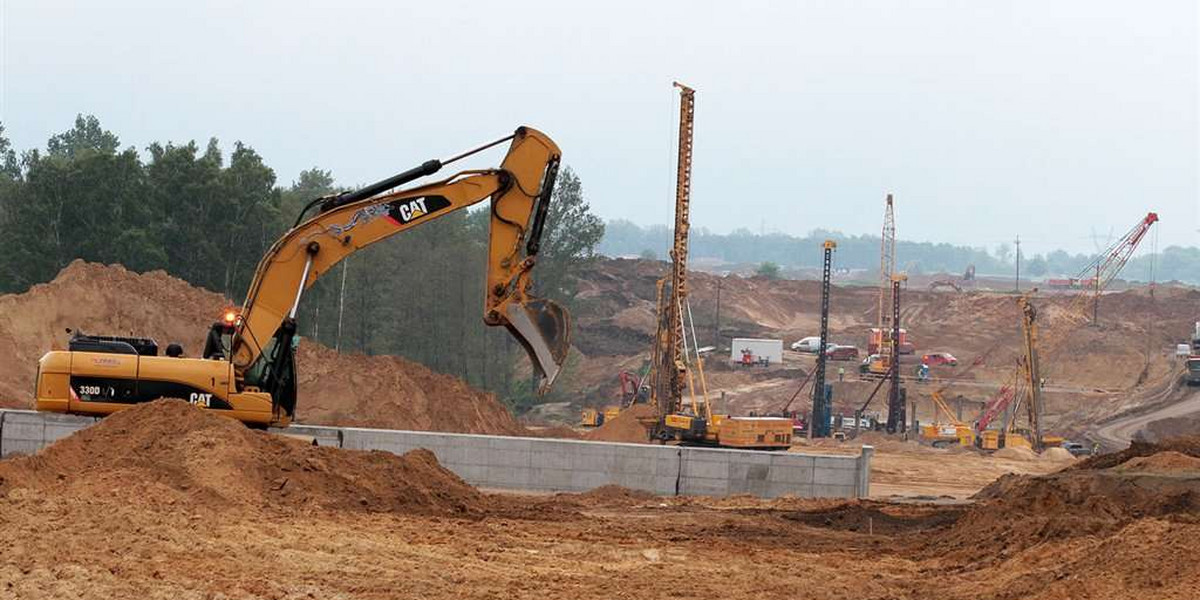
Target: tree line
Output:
[
  {"x": 772, "y": 250},
  {"x": 208, "y": 218}
]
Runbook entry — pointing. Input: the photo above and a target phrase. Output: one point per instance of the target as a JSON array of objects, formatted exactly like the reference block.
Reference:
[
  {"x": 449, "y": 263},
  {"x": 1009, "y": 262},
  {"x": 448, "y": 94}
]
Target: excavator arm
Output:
[{"x": 520, "y": 193}]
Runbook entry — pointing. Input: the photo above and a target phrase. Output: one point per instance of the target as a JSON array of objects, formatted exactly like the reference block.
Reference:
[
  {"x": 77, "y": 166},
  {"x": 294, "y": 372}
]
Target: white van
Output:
[{"x": 808, "y": 344}]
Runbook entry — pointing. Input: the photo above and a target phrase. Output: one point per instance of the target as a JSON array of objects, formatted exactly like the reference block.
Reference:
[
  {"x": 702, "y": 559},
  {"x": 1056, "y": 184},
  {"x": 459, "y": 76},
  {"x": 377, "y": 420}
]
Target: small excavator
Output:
[{"x": 247, "y": 370}]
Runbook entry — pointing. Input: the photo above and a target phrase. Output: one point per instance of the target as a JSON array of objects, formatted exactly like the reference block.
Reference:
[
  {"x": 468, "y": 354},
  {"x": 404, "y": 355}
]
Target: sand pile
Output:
[
  {"x": 625, "y": 428},
  {"x": 1058, "y": 454},
  {"x": 1017, "y": 512},
  {"x": 97, "y": 299},
  {"x": 169, "y": 453},
  {"x": 391, "y": 393},
  {"x": 1168, "y": 462},
  {"x": 1189, "y": 446},
  {"x": 386, "y": 392},
  {"x": 613, "y": 495},
  {"x": 879, "y": 440},
  {"x": 1015, "y": 453}
]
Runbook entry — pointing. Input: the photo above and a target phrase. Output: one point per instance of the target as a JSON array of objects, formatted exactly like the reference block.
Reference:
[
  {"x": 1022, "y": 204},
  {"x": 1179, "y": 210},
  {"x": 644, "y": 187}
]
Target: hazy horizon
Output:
[{"x": 1058, "y": 122}]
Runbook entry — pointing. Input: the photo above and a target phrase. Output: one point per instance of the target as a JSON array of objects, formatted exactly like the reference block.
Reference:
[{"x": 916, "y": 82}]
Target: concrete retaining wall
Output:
[
  {"x": 548, "y": 465},
  {"x": 26, "y": 431}
]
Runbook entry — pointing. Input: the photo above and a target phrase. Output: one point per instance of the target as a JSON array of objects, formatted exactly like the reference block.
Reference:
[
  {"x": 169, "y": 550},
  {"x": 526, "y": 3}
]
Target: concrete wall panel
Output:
[{"x": 537, "y": 464}]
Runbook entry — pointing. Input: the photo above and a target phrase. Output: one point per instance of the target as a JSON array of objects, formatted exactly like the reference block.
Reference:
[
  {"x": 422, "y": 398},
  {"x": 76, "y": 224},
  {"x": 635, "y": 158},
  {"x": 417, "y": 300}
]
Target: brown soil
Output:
[
  {"x": 164, "y": 501},
  {"x": 391, "y": 393},
  {"x": 168, "y": 452},
  {"x": 334, "y": 389},
  {"x": 1173, "y": 427},
  {"x": 1088, "y": 501},
  {"x": 624, "y": 428},
  {"x": 1162, "y": 462},
  {"x": 97, "y": 299},
  {"x": 1095, "y": 373},
  {"x": 1057, "y": 455},
  {"x": 1016, "y": 453},
  {"x": 1189, "y": 446},
  {"x": 607, "y": 495}
]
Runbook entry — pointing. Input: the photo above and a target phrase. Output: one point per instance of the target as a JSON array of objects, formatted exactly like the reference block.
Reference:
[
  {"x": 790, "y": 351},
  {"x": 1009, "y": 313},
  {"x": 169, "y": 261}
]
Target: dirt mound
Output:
[
  {"x": 614, "y": 495},
  {"x": 1015, "y": 453},
  {"x": 97, "y": 299},
  {"x": 1163, "y": 462},
  {"x": 1017, "y": 512},
  {"x": 168, "y": 452},
  {"x": 1189, "y": 446},
  {"x": 865, "y": 516},
  {"x": 624, "y": 428},
  {"x": 334, "y": 389},
  {"x": 615, "y": 320},
  {"x": 1057, "y": 454},
  {"x": 391, "y": 393}
]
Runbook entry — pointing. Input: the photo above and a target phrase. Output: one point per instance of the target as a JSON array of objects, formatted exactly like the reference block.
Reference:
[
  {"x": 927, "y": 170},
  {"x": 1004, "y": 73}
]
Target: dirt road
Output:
[{"x": 1117, "y": 434}]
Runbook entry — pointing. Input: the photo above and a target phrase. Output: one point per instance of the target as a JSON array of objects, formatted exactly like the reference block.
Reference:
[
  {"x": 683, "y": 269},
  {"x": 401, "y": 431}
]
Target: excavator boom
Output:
[{"x": 256, "y": 346}]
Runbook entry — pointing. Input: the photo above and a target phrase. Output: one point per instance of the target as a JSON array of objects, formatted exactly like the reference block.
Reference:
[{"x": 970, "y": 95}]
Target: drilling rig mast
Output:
[
  {"x": 669, "y": 375},
  {"x": 887, "y": 265},
  {"x": 678, "y": 388},
  {"x": 822, "y": 409}
]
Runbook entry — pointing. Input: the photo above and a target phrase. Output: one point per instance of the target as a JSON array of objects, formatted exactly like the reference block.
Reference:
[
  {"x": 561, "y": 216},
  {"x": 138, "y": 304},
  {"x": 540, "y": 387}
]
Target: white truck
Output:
[{"x": 756, "y": 352}]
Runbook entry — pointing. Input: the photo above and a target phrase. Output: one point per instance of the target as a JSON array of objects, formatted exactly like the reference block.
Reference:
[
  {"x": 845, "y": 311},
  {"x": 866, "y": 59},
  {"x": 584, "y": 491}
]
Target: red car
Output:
[
  {"x": 934, "y": 359},
  {"x": 834, "y": 352}
]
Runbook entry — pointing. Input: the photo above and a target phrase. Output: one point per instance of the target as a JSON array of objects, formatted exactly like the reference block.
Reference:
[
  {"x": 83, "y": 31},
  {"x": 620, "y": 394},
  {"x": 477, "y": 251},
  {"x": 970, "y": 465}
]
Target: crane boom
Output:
[{"x": 1035, "y": 347}]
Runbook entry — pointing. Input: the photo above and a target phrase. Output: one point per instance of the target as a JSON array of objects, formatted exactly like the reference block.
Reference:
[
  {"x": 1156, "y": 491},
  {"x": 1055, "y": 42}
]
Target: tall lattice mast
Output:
[
  {"x": 669, "y": 374},
  {"x": 887, "y": 267},
  {"x": 679, "y": 248}
]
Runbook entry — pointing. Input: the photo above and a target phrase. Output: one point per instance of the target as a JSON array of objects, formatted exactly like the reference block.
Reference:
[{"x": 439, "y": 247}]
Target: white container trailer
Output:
[{"x": 760, "y": 351}]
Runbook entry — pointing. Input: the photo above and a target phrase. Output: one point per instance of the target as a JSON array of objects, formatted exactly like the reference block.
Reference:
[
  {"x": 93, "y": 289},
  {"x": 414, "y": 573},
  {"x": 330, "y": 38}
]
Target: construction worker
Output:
[
  {"x": 841, "y": 373},
  {"x": 923, "y": 372}
]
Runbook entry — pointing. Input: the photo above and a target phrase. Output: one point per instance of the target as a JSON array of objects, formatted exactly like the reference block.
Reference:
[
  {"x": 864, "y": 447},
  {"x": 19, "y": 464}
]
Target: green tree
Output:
[
  {"x": 81, "y": 199},
  {"x": 10, "y": 169},
  {"x": 249, "y": 219},
  {"x": 311, "y": 184},
  {"x": 86, "y": 136},
  {"x": 767, "y": 269},
  {"x": 1036, "y": 267},
  {"x": 185, "y": 191},
  {"x": 569, "y": 239}
]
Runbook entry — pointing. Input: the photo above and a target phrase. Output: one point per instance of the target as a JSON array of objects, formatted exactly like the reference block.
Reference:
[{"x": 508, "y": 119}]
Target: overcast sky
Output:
[{"x": 1052, "y": 120}]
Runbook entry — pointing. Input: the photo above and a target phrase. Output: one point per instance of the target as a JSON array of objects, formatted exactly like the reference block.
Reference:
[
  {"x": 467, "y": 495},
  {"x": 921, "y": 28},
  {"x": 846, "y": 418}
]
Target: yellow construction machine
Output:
[
  {"x": 676, "y": 364},
  {"x": 941, "y": 434},
  {"x": 247, "y": 370},
  {"x": 1026, "y": 384}
]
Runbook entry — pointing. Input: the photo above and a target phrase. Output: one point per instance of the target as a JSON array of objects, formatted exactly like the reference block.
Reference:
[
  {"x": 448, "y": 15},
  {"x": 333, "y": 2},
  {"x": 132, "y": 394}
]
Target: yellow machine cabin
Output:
[{"x": 247, "y": 368}]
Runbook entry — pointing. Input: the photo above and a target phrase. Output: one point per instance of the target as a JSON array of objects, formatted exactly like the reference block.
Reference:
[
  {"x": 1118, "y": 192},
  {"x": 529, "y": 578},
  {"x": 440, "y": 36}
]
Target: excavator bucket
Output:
[{"x": 543, "y": 328}]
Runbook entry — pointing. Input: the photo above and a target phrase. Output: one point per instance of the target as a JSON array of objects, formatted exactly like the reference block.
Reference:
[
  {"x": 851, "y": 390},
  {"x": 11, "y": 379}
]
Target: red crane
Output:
[{"x": 1105, "y": 268}]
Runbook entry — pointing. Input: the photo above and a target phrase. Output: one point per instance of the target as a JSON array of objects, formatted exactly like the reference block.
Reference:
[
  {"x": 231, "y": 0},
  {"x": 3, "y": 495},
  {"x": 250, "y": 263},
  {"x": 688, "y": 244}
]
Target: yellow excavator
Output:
[{"x": 247, "y": 370}]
